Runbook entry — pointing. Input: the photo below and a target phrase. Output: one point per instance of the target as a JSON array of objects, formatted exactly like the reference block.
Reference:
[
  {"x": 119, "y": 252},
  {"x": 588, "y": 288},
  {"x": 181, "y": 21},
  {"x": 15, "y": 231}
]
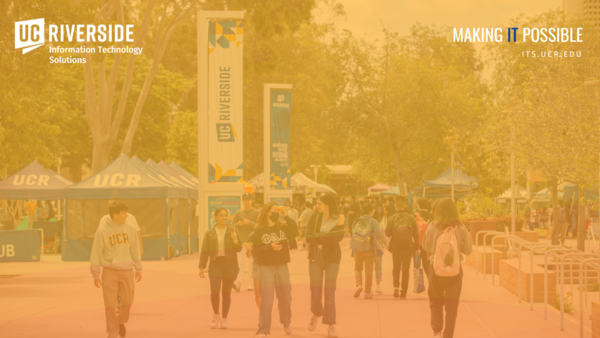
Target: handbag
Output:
[{"x": 418, "y": 276}]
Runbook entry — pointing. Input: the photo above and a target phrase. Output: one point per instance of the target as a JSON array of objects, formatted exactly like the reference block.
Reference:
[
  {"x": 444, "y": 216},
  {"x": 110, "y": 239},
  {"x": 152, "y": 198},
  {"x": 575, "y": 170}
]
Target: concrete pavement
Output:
[{"x": 57, "y": 299}]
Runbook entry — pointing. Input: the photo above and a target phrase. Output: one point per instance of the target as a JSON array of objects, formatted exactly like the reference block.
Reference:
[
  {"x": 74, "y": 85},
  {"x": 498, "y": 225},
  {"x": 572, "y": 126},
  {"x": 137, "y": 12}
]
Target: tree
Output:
[
  {"x": 183, "y": 141},
  {"x": 26, "y": 83},
  {"x": 553, "y": 119},
  {"x": 402, "y": 100},
  {"x": 105, "y": 125}
]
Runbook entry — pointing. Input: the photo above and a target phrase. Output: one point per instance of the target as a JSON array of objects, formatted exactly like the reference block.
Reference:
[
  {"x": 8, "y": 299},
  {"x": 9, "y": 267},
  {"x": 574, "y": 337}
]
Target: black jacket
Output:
[
  {"x": 261, "y": 240},
  {"x": 427, "y": 216},
  {"x": 394, "y": 222},
  {"x": 210, "y": 246},
  {"x": 330, "y": 242}
]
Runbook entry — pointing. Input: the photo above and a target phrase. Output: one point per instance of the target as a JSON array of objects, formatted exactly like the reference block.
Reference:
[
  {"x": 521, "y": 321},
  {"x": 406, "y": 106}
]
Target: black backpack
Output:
[
  {"x": 562, "y": 215},
  {"x": 402, "y": 234}
]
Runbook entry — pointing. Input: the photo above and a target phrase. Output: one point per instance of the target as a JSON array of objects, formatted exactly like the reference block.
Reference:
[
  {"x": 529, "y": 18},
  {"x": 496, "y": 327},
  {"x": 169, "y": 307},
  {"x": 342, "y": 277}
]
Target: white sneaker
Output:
[
  {"x": 224, "y": 323},
  {"x": 312, "y": 325},
  {"x": 358, "y": 291},
  {"x": 378, "y": 290},
  {"x": 214, "y": 323},
  {"x": 251, "y": 287},
  {"x": 236, "y": 286},
  {"x": 288, "y": 330},
  {"x": 331, "y": 332},
  {"x": 437, "y": 335}
]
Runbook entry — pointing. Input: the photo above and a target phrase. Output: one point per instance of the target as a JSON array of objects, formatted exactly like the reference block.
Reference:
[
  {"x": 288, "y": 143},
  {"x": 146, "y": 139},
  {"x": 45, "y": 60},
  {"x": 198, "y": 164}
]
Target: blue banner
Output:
[
  {"x": 20, "y": 245},
  {"x": 281, "y": 108}
]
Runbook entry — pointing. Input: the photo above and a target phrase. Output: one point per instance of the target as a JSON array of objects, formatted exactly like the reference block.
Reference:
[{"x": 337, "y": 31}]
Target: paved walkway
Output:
[{"x": 58, "y": 299}]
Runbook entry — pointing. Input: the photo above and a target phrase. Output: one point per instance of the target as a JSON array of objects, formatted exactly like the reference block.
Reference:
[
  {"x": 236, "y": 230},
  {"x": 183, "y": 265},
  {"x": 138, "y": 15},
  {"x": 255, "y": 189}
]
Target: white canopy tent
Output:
[
  {"x": 506, "y": 195},
  {"x": 300, "y": 185}
]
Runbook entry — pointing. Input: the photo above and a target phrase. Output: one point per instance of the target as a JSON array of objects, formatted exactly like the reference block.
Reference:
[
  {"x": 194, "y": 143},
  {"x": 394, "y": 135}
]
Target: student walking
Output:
[
  {"x": 220, "y": 245},
  {"x": 303, "y": 222},
  {"x": 423, "y": 217},
  {"x": 446, "y": 238},
  {"x": 364, "y": 241},
  {"x": 404, "y": 238},
  {"x": 353, "y": 211},
  {"x": 244, "y": 221},
  {"x": 131, "y": 220},
  {"x": 115, "y": 253},
  {"x": 560, "y": 222},
  {"x": 383, "y": 242},
  {"x": 271, "y": 247},
  {"x": 324, "y": 233}
]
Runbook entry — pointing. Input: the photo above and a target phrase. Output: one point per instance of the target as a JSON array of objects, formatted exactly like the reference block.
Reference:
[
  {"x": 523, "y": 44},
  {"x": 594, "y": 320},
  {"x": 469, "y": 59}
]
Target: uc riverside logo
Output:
[{"x": 29, "y": 34}]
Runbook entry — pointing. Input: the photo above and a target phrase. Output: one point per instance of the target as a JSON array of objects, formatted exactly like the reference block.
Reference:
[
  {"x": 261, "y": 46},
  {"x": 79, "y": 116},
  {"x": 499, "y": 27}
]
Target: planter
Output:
[
  {"x": 530, "y": 236},
  {"x": 477, "y": 226}
]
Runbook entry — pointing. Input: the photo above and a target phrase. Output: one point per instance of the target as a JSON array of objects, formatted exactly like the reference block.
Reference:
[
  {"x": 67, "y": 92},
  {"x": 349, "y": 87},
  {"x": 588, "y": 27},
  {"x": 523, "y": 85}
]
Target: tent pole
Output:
[
  {"x": 452, "y": 174},
  {"x": 513, "y": 215}
]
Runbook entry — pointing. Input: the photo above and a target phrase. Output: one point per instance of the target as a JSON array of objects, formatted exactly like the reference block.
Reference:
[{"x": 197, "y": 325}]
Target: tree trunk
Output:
[
  {"x": 76, "y": 172},
  {"x": 554, "y": 190},
  {"x": 580, "y": 218},
  {"x": 99, "y": 158},
  {"x": 137, "y": 111}
]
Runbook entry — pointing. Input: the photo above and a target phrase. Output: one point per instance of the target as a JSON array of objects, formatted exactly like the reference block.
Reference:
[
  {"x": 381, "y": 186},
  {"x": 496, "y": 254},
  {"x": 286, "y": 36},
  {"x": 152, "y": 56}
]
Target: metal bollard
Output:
[{"x": 553, "y": 252}]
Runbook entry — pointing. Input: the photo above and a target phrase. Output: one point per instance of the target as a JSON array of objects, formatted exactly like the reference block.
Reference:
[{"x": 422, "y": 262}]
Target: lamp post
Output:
[
  {"x": 513, "y": 188},
  {"x": 315, "y": 170},
  {"x": 596, "y": 83}
]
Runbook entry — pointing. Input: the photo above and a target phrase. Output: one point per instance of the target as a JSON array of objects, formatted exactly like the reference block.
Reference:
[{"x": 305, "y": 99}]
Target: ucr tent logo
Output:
[{"x": 29, "y": 34}]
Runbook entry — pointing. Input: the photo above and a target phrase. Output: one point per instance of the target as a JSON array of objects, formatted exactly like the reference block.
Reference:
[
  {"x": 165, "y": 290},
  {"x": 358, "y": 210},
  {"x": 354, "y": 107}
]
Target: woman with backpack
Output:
[
  {"x": 364, "y": 242},
  {"x": 271, "y": 241},
  {"x": 220, "y": 245},
  {"x": 324, "y": 232},
  {"x": 445, "y": 239}
]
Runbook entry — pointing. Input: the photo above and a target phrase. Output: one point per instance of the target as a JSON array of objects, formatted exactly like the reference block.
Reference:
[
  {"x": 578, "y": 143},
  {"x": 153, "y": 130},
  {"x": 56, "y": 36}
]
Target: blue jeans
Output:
[
  {"x": 274, "y": 279},
  {"x": 317, "y": 270},
  {"x": 378, "y": 268}
]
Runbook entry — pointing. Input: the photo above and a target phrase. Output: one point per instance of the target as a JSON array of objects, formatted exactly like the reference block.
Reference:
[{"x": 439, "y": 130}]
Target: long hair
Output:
[
  {"x": 446, "y": 214},
  {"x": 366, "y": 209},
  {"x": 329, "y": 200},
  {"x": 263, "y": 218}
]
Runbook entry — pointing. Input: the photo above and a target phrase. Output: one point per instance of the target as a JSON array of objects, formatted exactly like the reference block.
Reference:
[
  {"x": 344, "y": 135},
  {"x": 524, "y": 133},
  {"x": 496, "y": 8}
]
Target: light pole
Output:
[
  {"x": 315, "y": 170},
  {"x": 596, "y": 83},
  {"x": 452, "y": 172},
  {"x": 513, "y": 188}
]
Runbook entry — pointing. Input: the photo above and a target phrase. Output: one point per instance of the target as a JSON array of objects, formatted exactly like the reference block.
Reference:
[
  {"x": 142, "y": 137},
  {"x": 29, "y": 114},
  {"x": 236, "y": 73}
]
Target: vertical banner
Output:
[
  {"x": 231, "y": 203},
  {"x": 281, "y": 108},
  {"x": 225, "y": 105}
]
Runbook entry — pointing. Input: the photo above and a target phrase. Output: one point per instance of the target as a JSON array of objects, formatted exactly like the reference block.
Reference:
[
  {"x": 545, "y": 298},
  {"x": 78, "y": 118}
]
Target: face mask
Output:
[{"x": 274, "y": 216}]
